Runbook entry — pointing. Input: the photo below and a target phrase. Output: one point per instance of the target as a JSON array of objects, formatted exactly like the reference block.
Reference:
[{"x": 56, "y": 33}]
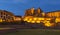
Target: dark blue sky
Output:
[{"x": 18, "y": 7}]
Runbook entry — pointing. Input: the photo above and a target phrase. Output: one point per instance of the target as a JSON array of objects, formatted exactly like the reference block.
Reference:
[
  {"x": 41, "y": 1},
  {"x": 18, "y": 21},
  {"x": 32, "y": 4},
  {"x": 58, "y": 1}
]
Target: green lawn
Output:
[{"x": 34, "y": 32}]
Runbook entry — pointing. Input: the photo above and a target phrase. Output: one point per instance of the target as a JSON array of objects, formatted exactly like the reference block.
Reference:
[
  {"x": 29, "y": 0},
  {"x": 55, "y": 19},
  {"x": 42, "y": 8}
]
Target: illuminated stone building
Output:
[
  {"x": 6, "y": 16},
  {"x": 39, "y": 13},
  {"x": 37, "y": 16},
  {"x": 53, "y": 14},
  {"x": 18, "y": 18}
]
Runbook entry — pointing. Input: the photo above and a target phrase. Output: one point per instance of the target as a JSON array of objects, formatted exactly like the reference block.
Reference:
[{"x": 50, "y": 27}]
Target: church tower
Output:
[
  {"x": 39, "y": 12},
  {"x": 29, "y": 12},
  {"x": 32, "y": 11}
]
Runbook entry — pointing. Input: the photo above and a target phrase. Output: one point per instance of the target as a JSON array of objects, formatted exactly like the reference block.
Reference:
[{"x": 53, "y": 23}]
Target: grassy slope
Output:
[{"x": 34, "y": 32}]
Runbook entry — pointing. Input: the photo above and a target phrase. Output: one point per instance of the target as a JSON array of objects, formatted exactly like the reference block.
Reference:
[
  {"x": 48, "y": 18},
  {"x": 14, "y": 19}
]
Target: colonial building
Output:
[
  {"x": 6, "y": 16},
  {"x": 55, "y": 14}
]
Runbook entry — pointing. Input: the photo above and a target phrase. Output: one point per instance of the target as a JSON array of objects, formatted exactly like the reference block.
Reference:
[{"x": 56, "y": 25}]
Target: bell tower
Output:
[
  {"x": 39, "y": 11},
  {"x": 32, "y": 10}
]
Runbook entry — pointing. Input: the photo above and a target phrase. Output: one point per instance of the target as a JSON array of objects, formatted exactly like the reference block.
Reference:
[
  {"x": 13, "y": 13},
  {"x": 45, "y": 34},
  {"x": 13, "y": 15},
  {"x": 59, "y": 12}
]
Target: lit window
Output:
[
  {"x": 48, "y": 24},
  {"x": 28, "y": 21},
  {"x": 34, "y": 18},
  {"x": 40, "y": 18},
  {"x": 25, "y": 19},
  {"x": 1, "y": 20},
  {"x": 32, "y": 21},
  {"x": 37, "y": 21}
]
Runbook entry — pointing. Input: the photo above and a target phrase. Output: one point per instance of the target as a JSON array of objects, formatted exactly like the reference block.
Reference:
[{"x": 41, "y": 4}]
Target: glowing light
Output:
[
  {"x": 34, "y": 18},
  {"x": 43, "y": 14},
  {"x": 37, "y": 21},
  {"x": 28, "y": 21},
  {"x": 46, "y": 21},
  {"x": 1, "y": 20},
  {"x": 25, "y": 19},
  {"x": 18, "y": 19},
  {"x": 57, "y": 20},
  {"x": 47, "y": 18},
  {"x": 40, "y": 18},
  {"x": 48, "y": 24},
  {"x": 32, "y": 21}
]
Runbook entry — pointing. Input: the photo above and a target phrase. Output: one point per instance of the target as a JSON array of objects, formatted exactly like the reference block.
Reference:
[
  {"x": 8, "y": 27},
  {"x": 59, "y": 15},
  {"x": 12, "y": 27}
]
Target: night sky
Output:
[{"x": 18, "y": 7}]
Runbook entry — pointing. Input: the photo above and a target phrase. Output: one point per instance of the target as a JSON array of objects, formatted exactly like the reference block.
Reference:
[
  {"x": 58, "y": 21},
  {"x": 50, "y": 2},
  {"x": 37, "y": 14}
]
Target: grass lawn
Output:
[{"x": 34, "y": 32}]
